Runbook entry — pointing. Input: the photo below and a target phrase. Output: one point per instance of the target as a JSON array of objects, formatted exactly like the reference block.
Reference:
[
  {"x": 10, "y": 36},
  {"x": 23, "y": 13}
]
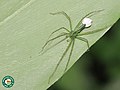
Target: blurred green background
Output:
[{"x": 98, "y": 69}]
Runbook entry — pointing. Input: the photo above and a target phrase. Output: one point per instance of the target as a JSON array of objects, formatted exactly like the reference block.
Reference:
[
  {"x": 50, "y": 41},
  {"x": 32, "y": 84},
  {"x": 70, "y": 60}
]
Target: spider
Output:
[{"x": 72, "y": 34}]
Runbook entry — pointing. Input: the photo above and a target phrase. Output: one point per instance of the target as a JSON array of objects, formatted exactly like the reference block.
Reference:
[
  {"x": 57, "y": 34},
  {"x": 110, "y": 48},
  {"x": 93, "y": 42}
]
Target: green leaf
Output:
[{"x": 24, "y": 28}]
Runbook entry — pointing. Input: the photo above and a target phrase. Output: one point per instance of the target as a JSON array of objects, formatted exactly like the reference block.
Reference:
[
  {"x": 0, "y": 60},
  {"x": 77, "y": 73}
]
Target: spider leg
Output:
[
  {"x": 58, "y": 30},
  {"x": 54, "y": 45},
  {"x": 69, "y": 56},
  {"x": 93, "y": 31},
  {"x": 92, "y": 13},
  {"x": 85, "y": 40},
  {"x": 52, "y": 40},
  {"x": 65, "y": 14},
  {"x": 59, "y": 61},
  {"x": 88, "y": 15}
]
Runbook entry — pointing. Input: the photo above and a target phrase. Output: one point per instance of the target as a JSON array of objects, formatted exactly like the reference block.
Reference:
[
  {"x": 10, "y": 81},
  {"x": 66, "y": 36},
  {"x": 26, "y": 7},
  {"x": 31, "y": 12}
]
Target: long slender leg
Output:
[
  {"x": 85, "y": 40},
  {"x": 88, "y": 15},
  {"x": 69, "y": 56},
  {"x": 54, "y": 45},
  {"x": 58, "y": 30},
  {"x": 52, "y": 40},
  {"x": 63, "y": 13},
  {"x": 93, "y": 13},
  {"x": 93, "y": 31},
  {"x": 59, "y": 61}
]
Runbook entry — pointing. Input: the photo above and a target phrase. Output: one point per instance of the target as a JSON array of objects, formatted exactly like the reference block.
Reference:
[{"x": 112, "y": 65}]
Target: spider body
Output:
[
  {"x": 76, "y": 32},
  {"x": 72, "y": 34}
]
